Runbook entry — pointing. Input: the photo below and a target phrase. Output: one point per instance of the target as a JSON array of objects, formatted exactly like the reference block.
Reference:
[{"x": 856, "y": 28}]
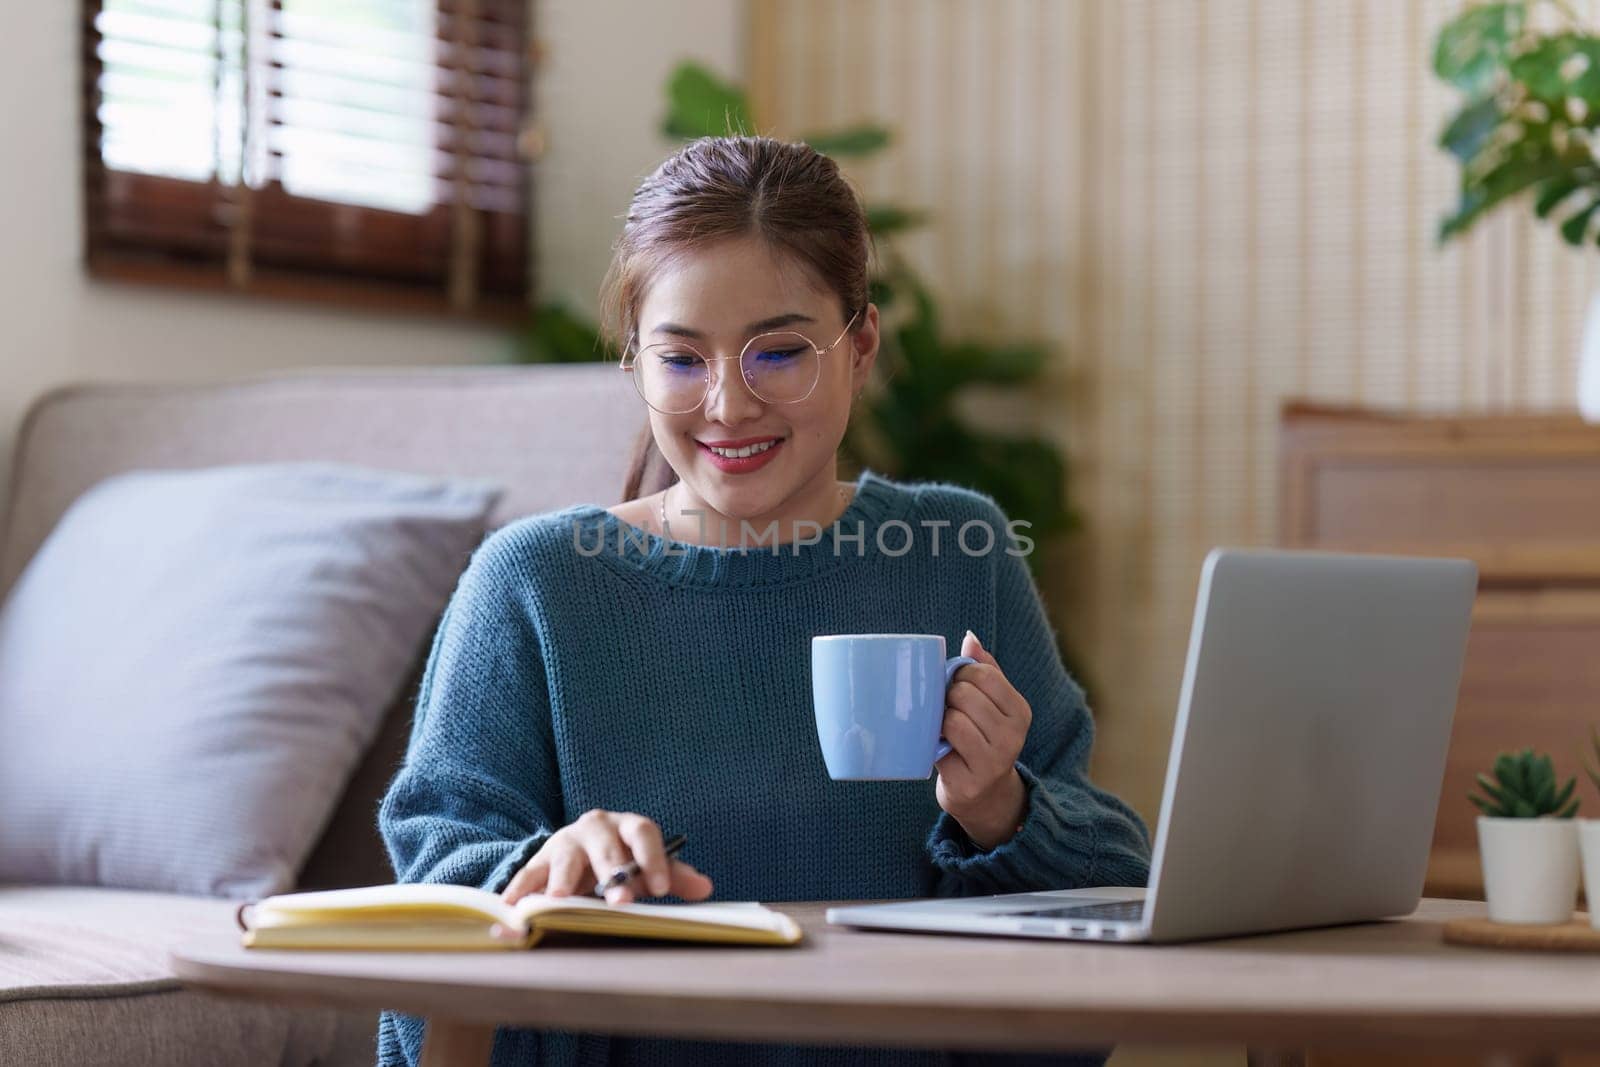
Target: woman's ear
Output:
[{"x": 864, "y": 342}]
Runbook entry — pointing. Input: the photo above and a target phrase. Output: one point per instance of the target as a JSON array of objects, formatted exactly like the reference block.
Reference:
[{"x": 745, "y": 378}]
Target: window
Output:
[{"x": 356, "y": 150}]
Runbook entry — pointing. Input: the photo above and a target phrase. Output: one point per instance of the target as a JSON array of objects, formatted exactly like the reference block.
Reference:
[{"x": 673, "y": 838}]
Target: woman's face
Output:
[{"x": 717, "y": 298}]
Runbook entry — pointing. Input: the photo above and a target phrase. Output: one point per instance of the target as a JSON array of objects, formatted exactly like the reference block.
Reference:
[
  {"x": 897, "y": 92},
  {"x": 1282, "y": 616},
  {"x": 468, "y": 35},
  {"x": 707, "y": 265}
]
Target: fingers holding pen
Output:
[
  {"x": 599, "y": 843},
  {"x": 606, "y": 851},
  {"x": 655, "y": 871},
  {"x": 643, "y": 837}
]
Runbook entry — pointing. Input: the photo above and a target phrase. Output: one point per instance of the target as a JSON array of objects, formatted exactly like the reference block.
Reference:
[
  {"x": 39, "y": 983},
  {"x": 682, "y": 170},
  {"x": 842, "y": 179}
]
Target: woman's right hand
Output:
[{"x": 584, "y": 852}]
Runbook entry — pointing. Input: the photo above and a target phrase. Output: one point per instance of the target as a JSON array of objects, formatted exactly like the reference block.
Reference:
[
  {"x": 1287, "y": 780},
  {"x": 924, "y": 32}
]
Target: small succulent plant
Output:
[
  {"x": 1589, "y": 768},
  {"x": 1524, "y": 787}
]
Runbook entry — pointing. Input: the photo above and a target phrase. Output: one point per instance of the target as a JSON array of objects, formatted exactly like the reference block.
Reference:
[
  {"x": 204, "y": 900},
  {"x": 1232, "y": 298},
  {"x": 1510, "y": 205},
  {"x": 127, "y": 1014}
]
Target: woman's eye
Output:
[
  {"x": 678, "y": 360},
  {"x": 778, "y": 354}
]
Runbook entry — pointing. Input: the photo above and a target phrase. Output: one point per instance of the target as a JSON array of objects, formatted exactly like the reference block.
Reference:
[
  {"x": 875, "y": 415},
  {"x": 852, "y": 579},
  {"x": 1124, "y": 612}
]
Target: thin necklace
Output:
[{"x": 668, "y": 489}]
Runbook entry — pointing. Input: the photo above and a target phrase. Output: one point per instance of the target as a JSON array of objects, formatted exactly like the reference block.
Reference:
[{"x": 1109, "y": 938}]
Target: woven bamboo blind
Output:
[
  {"x": 356, "y": 150},
  {"x": 1207, "y": 207}
]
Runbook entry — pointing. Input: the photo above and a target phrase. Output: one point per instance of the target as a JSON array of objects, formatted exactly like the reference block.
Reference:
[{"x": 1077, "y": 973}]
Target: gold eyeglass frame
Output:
[{"x": 630, "y": 352}]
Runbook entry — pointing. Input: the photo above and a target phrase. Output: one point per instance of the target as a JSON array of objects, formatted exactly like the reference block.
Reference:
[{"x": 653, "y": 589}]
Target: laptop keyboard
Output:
[{"x": 1116, "y": 910}]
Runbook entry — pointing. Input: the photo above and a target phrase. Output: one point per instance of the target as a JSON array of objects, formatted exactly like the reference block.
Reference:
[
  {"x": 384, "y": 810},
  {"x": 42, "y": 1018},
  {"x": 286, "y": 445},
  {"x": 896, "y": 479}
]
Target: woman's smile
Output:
[{"x": 750, "y": 454}]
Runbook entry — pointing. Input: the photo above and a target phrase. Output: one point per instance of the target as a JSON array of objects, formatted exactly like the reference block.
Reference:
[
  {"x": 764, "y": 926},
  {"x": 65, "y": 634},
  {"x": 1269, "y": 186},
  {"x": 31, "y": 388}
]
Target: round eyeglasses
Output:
[{"x": 674, "y": 377}]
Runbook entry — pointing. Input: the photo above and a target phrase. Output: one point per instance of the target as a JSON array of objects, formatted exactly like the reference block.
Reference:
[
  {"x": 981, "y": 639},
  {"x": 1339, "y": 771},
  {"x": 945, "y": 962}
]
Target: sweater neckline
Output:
[{"x": 684, "y": 563}]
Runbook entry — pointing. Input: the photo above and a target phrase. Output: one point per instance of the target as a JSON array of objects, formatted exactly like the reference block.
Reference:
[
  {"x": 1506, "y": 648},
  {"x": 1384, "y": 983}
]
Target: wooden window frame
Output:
[{"x": 459, "y": 259}]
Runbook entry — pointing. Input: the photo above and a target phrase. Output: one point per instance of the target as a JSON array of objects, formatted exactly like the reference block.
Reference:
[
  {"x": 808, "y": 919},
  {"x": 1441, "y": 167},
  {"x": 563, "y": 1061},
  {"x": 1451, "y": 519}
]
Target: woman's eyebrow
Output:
[{"x": 774, "y": 323}]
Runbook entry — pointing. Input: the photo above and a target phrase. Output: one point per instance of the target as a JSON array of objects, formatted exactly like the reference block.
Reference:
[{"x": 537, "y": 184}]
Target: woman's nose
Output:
[{"x": 729, "y": 397}]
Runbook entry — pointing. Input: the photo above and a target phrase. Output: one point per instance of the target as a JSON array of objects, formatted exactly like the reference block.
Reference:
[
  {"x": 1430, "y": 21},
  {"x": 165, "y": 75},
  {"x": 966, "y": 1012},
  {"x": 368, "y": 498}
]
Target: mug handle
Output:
[{"x": 951, "y": 665}]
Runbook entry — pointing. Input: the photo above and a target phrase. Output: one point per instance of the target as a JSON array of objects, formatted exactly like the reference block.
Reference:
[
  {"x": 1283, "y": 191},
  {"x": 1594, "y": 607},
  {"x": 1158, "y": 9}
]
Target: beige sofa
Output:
[{"x": 84, "y": 975}]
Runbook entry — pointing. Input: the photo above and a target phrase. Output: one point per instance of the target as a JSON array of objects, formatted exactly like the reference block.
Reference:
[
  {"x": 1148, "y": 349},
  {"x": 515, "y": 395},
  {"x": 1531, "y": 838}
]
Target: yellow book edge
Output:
[{"x": 428, "y": 916}]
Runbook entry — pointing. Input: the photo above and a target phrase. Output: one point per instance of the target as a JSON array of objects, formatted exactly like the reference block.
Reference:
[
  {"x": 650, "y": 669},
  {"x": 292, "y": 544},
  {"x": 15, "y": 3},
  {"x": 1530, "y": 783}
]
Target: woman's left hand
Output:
[{"x": 986, "y": 721}]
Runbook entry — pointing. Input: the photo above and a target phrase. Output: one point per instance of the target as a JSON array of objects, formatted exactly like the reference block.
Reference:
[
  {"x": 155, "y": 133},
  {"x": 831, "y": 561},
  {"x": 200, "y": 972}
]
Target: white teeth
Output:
[{"x": 741, "y": 453}]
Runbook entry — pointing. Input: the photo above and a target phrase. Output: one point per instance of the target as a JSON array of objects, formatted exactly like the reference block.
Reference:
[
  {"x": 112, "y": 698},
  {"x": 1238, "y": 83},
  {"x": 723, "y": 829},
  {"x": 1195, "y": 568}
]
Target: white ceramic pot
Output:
[
  {"x": 1589, "y": 846},
  {"x": 1530, "y": 868},
  {"x": 1589, "y": 364}
]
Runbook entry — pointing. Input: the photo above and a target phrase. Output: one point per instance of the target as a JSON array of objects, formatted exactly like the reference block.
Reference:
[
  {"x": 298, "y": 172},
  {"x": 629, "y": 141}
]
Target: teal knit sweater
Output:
[{"x": 584, "y": 663}]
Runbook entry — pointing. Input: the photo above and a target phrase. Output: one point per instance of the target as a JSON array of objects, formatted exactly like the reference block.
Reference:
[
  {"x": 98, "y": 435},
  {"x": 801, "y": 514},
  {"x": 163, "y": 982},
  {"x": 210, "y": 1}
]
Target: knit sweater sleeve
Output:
[
  {"x": 478, "y": 792},
  {"x": 1073, "y": 834}
]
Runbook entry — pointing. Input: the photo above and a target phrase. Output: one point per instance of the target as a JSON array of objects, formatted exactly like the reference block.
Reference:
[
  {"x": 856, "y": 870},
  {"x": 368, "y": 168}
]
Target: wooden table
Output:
[{"x": 1392, "y": 984}]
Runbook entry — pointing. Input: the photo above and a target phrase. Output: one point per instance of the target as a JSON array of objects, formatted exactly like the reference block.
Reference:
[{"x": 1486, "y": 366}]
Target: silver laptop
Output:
[{"x": 1306, "y": 762}]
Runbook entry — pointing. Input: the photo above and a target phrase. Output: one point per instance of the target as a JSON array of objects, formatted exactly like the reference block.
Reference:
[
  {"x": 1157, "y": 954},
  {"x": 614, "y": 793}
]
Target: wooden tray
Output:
[{"x": 1574, "y": 936}]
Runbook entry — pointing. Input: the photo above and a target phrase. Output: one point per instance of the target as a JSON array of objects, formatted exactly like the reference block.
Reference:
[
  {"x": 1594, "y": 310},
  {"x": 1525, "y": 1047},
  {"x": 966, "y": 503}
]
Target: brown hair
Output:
[{"x": 722, "y": 187}]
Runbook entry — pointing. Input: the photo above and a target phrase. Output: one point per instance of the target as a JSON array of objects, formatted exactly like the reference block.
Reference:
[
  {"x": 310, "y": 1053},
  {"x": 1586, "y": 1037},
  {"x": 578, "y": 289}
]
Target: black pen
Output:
[{"x": 625, "y": 874}]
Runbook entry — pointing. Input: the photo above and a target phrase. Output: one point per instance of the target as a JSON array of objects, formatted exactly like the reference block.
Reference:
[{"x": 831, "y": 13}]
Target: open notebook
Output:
[{"x": 427, "y": 915}]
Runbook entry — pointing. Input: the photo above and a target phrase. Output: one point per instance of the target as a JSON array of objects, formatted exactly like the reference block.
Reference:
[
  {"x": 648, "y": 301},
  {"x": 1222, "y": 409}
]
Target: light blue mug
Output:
[{"x": 879, "y": 701}]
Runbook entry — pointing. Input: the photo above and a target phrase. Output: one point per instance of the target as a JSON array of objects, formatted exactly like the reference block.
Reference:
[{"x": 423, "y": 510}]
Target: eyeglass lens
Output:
[{"x": 780, "y": 368}]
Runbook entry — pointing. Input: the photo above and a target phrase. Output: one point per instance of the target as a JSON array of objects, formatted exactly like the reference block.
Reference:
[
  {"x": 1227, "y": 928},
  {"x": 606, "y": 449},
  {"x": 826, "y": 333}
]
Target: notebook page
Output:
[
  {"x": 748, "y": 915},
  {"x": 384, "y": 903}
]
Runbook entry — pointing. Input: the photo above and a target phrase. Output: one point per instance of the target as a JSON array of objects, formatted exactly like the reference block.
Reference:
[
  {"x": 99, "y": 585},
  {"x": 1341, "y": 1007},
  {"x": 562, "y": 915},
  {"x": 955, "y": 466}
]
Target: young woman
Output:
[{"x": 604, "y": 674}]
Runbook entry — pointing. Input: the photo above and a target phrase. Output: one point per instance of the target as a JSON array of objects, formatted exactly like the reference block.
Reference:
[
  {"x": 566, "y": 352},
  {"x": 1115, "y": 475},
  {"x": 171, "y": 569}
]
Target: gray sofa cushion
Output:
[
  {"x": 194, "y": 662},
  {"x": 551, "y": 435},
  {"x": 85, "y": 980}
]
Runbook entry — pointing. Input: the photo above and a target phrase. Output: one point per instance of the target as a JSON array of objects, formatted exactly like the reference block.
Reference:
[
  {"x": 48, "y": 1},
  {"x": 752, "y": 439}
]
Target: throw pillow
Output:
[{"x": 194, "y": 662}]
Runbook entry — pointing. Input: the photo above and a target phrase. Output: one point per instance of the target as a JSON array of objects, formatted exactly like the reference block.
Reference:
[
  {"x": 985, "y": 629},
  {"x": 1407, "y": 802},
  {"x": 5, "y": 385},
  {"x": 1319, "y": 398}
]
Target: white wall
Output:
[
  {"x": 600, "y": 93},
  {"x": 602, "y": 98}
]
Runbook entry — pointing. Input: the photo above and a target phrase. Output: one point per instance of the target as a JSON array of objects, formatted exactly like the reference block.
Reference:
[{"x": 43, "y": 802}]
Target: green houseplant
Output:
[
  {"x": 1532, "y": 104},
  {"x": 1529, "y": 74},
  {"x": 907, "y": 427},
  {"x": 1524, "y": 787},
  {"x": 1527, "y": 840}
]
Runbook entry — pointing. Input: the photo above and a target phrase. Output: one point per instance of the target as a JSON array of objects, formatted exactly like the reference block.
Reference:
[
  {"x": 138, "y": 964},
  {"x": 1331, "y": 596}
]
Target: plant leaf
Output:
[
  {"x": 862, "y": 140},
  {"x": 919, "y": 336},
  {"x": 1507, "y": 774},
  {"x": 1469, "y": 131},
  {"x": 1527, "y": 771},
  {"x": 1487, "y": 808},
  {"x": 881, "y": 293},
  {"x": 556, "y": 334},
  {"x": 887, "y": 218},
  {"x": 1565, "y": 794},
  {"x": 1589, "y": 769},
  {"x": 1503, "y": 797},
  {"x": 1472, "y": 47},
  {"x": 1027, "y": 479},
  {"x": 1569, "y": 812},
  {"x": 1506, "y": 179},
  {"x": 1544, "y": 799},
  {"x": 1554, "y": 191},
  {"x": 998, "y": 364},
  {"x": 699, "y": 104},
  {"x": 1540, "y": 776},
  {"x": 1559, "y": 66}
]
